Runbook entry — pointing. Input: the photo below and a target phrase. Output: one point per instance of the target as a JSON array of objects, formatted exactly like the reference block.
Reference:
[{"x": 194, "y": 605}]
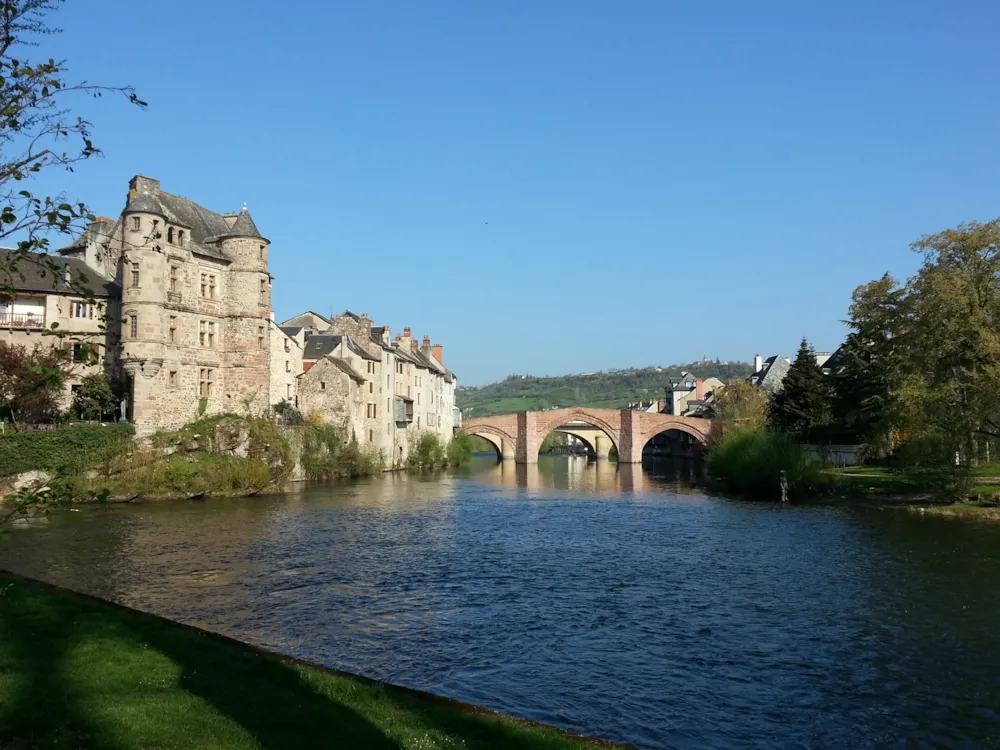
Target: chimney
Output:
[
  {"x": 144, "y": 185},
  {"x": 698, "y": 390},
  {"x": 406, "y": 333},
  {"x": 758, "y": 363},
  {"x": 427, "y": 340},
  {"x": 436, "y": 349}
]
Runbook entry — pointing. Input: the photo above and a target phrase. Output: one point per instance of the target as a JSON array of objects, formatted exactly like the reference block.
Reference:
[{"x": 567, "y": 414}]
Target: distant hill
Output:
[{"x": 612, "y": 389}]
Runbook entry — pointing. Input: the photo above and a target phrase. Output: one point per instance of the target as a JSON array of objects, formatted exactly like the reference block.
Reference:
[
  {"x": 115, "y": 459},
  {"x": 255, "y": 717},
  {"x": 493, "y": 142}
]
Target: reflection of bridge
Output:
[{"x": 519, "y": 436}]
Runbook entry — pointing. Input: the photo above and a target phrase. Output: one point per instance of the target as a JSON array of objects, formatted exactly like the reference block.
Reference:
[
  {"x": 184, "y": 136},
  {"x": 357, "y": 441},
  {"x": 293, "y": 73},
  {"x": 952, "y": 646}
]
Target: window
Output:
[
  {"x": 206, "y": 376},
  {"x": 263, "y": 291},
  {"x": 204, "y": 285},
  {"x": 82, "y": 352},
  {"x": 211, "y": 335},
  {"x": 371, "y": 387},
  {"x": 371, "y": 436},
  {"x": 211, "y": 287},
  {"x": 322, "y": 385},
  {"x": 170, "y": 236},
  {"x": 260, "y": 337},
  {"x": 172, "y": 331},
  {"x": 180, "y": 237},
  {"x": 81, "y": 310},
  {"x": 172, "y": 379},
  {"x": 135, "y": 274},
  {"x": 136, "y": 223},
  {"x": 418, "y": 398},
  {"x": 263, "y": 252},
  {"x": 202, "y": 331},
  {"x": 288, "y": 390},
  {"x": 418, "y": 423},
  {"x": 133, "y": 325},
  {"x": 399, "y": 368},
  {"x": 288, "y": 365},
  {"x": 174, "y": 277}
]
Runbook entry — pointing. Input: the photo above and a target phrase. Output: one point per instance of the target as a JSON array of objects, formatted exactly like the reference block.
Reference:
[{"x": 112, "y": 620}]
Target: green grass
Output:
[{"x": 79, "y": 673}]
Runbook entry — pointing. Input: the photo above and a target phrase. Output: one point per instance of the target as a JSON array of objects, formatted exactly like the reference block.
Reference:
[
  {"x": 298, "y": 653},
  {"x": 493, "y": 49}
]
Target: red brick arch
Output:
[{"x": 592, "y": 417}]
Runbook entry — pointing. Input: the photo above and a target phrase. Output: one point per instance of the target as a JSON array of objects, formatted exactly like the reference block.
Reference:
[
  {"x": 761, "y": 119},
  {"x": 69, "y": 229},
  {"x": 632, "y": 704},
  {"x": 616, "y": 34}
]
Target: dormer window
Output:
[
  {"x": 170, "y": 236},
  {"x": 136, "y": 223},
  {"x": 180, "y": 237}
]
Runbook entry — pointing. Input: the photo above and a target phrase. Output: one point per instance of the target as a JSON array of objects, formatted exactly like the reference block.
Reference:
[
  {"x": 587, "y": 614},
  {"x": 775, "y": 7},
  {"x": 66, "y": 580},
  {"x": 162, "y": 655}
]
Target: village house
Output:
[
  {"x": 47, "y": 290},
  {"x": 384, "y": 392}
]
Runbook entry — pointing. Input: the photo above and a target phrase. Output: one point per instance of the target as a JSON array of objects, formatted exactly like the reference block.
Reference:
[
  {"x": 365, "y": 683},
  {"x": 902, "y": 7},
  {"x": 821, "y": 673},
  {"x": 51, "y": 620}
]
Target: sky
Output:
[{"x": 557, "y": 186}]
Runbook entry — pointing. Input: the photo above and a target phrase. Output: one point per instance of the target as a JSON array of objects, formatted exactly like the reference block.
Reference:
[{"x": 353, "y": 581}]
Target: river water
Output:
[{"x": 616, "y": 603}]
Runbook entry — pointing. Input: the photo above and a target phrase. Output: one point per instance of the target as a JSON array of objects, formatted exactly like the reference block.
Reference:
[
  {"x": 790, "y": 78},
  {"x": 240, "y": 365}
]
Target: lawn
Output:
[{"x": 79, "y": 673}]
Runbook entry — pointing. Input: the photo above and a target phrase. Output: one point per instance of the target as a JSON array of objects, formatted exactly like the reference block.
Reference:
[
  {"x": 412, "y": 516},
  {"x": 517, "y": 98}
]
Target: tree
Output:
[
  {"x": 803, "y": 403},
  {"x": 37, "y": 133},
  {"x": 95, "y": 398},
  {"x": 951, "y": 383},
  {"x": 31, "y": 382},
  {"x": 741, "y": 403},
  {"x": 871, "y": 364}
]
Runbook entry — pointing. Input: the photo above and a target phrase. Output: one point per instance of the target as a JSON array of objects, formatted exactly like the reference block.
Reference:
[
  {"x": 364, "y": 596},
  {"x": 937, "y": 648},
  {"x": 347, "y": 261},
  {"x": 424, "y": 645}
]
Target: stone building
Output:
[
  {"x": 196, "y": 305},
  {"x": 46, "y": 290},
  {"x": 386, "y": 392}
]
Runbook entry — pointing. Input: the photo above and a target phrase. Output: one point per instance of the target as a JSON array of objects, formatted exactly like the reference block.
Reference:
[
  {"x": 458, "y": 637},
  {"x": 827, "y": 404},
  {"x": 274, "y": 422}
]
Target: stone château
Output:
[{"x": 186, "y": 294}]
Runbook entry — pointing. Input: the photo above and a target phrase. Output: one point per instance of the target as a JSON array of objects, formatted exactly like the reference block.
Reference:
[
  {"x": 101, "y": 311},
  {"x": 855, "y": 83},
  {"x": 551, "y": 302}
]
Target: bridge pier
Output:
[{"x": 602, "y": 447}]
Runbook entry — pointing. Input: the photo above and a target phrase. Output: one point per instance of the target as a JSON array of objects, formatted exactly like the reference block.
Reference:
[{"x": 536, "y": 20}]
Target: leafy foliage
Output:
[
  {"x": 750, "y": 460},
  {"x": 326, "y": 453},
  {"x": 95, "y": 398},
  {"x": 741, "y": 403},
  {"x": 613, "y": 389},
  {"x": 427, "y": 452},
  {"x": 39, "y": 134},
  {"x": 460, "y": 449},
  {"x": 31, "y": 382},
  {"x": 62, "y": 450}
]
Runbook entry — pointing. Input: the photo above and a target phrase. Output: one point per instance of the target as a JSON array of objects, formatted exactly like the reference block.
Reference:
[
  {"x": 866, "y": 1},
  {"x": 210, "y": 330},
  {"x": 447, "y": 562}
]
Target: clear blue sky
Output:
[{"x": 662, "y": 180}]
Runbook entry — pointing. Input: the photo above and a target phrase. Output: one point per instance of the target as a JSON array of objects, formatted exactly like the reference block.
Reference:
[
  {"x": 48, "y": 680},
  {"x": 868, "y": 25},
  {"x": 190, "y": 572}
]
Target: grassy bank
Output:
[{"x": 78, "y": 673}]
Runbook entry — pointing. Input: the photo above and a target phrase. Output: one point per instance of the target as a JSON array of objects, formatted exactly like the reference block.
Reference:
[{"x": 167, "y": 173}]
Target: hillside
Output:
[{"x": 612, "y": 389}]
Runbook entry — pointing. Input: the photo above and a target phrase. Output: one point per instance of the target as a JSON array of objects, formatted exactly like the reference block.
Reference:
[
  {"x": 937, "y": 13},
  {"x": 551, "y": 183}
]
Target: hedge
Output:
[{"x": 59, "y": 449}]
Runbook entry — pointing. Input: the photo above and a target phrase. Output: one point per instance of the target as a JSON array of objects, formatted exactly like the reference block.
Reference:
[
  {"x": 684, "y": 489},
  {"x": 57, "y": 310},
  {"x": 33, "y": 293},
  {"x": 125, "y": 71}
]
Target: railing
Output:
[{"x": 21, "y": 320}]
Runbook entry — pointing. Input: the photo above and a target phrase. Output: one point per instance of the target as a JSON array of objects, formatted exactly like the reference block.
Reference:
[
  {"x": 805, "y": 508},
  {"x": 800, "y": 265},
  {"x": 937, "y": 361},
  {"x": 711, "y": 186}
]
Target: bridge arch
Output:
[
  {"x": 502, "y": 443},
  {"x": 565, "y": 419},
  {"x": 655, "y": 427}
]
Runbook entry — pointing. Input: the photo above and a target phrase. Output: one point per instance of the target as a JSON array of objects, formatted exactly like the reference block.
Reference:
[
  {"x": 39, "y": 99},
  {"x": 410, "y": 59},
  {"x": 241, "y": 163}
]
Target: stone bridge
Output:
[{"x": 519, "y": 436}]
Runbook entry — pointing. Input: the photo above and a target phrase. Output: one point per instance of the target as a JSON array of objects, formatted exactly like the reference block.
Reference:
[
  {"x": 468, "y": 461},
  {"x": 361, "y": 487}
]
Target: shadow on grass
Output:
[
  {"x": 76, "y": 672},
  {"x": 44, "y": 702}
]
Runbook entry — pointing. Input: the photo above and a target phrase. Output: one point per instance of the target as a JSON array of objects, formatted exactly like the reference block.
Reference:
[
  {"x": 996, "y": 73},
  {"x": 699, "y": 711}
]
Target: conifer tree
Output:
[{"x": 804, "y": 401}]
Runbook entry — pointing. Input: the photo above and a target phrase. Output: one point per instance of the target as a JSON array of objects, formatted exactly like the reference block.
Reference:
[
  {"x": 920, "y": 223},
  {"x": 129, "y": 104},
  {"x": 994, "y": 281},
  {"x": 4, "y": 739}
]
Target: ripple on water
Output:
[{"x": 661, "y": 619}]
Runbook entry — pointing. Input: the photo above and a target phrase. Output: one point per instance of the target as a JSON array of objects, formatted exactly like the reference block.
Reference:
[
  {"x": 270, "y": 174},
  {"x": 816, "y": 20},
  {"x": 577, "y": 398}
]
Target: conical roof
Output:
[
  {"x": 244, "y": 226},
  {"x": 144, "y": 203}
]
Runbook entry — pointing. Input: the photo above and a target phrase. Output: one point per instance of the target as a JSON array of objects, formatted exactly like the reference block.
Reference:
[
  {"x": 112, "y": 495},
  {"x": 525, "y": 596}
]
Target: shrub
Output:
[
  {"x": 460, "y": 450},
  {"x": 95, "y": 398},
  {"x": 427, "y": 452},
  {"x": 63, "y": 449},
  {"x": 288, "y": 413},
  {"x": 326, "y": 454},
  {"x": 750, "y": 460}
]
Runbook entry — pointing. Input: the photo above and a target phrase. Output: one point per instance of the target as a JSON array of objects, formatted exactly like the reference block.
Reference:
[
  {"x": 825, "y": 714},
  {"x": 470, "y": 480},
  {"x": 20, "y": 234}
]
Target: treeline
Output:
[
  {"x": 612, "y": 389},
  {"x": 916, "y": 384}
]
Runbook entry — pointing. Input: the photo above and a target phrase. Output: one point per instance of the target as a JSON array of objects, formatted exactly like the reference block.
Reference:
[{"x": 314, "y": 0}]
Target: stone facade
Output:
[
  {"x": 36, "y": 297},
  {"x": 402, "y": 390},
  {"x": 198, "y": 337},
  {"x": 196, "y": 305}
]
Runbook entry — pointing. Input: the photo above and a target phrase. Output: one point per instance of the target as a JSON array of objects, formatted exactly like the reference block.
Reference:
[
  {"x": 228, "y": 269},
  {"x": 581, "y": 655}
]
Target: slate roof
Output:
[
  {"x": 206, "y": 226},
  {"x": 32, "y": 274},
  {"x": 291, "y": 331},
  {"x": 347, "y": 369},
  {"x": 320, "y": 344},
  {"x": 775, "y": 368},
  {"x": 686, "y": 382},
  {"x": 244, "y": 226}
]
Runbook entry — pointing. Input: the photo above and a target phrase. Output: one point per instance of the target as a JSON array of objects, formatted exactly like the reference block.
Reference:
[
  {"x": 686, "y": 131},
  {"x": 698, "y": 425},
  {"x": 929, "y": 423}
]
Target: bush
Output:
[
  {"x": 327, "y": 454},
  {"x": 750, "y": 460},
  {"x": 428, "y": 451},
  {"x": 63, "y": 449},
  {"x": 288, "y": 413},
  {"x": 95, "y": 398},
  {"x": 460, "y": 450}
]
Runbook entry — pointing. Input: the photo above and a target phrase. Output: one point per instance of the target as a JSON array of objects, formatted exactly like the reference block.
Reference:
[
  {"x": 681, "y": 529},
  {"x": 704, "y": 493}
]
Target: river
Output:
[{"x": 616, "y": 603}]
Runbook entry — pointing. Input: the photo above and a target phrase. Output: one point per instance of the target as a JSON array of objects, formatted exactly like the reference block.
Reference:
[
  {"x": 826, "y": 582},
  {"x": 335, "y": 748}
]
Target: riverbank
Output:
[{"x": 79, "y": 672}]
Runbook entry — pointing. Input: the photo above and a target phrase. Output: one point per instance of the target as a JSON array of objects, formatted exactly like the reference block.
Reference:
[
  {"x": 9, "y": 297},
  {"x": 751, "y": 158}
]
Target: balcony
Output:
[
  {"x": 27, "y": 321},
  {"x": 402, "y": 410}
]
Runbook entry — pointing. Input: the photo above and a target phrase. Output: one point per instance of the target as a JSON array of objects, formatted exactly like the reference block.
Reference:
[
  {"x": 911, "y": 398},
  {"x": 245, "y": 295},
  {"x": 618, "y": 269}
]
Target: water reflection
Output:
[{"x": 611, "y": 600}]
